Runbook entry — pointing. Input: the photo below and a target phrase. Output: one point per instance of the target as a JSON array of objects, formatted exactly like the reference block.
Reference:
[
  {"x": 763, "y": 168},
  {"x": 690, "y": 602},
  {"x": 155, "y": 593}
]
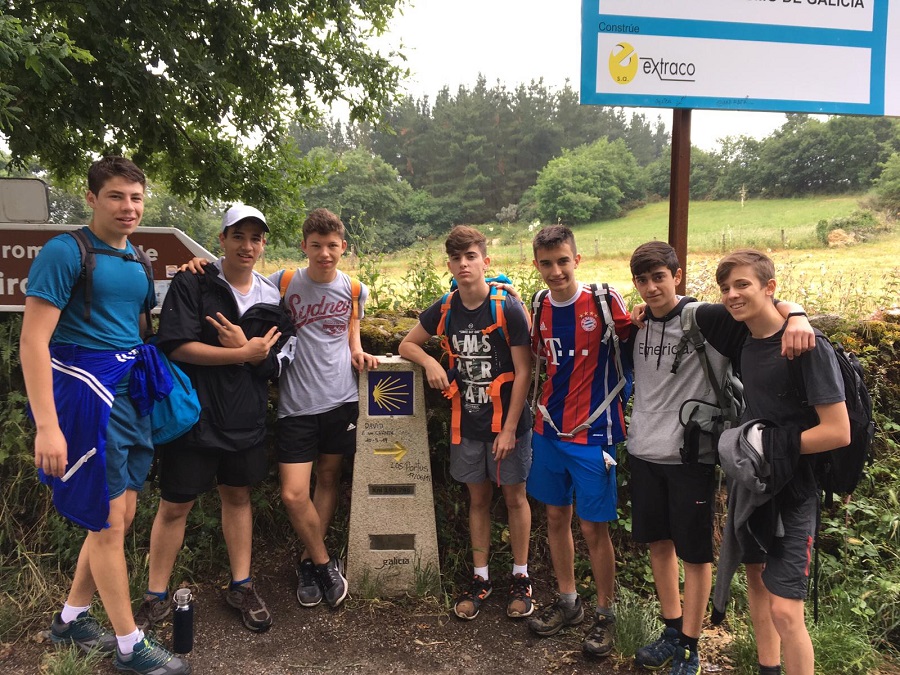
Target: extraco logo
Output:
[
  {"x": 623, "y": 63},
  {"x": 672, "y": 71}
]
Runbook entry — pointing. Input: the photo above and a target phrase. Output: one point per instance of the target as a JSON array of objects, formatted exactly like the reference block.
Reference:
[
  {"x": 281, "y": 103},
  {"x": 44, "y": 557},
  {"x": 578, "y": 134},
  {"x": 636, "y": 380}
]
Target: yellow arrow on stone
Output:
[{"x": 398, "y": 451}]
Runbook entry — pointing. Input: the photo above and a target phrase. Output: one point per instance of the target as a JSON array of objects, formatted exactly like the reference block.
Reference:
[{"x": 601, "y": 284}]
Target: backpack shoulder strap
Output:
[
  {"x": 88, "y": 263},
  {"x": 285, "y": 281},
  {"x": 444, "y": 323},
  {"x": 498, "y": 316},
  {"x": 142, "y": 257},
  {"x": 600, "y": 292},
  {"x": 537, "y": 303},
  {"x": 690, "y": 334},
  {"x": 355, "y": 292}
]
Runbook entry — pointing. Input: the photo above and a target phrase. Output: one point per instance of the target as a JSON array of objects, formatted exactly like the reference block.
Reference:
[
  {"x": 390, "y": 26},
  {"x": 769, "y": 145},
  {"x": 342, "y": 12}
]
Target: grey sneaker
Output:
[
  {"x": 334, "y": 585},
  {"x": 254, "y": 613},
  {"x": 601, "y": 638},
  {"x": 555, "y": 617},
  {"x": 149, "y": 658},
  {"x": 309, "y": 593},
  {"x": 658, "y": 654},
  {"x": 85, "y": 632},
  {"x": 152, "y": 611}
]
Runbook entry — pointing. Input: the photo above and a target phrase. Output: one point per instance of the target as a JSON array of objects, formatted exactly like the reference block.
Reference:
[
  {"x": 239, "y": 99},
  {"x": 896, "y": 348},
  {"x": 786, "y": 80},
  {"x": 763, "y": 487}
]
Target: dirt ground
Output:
[{"x": 363, "y": 637}]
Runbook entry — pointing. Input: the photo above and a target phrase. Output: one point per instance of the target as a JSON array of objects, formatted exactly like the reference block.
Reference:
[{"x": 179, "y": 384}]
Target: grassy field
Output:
[{"x": 855, "y": 280}]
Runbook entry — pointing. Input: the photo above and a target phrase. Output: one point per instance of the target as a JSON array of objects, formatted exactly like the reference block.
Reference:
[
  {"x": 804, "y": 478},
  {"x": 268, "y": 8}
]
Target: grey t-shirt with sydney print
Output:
[{"x": 321, "y": 377}]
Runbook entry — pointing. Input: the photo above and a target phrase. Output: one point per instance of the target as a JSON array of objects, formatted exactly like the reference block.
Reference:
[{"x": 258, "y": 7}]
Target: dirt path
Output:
[{"x": 362, "y": 637}]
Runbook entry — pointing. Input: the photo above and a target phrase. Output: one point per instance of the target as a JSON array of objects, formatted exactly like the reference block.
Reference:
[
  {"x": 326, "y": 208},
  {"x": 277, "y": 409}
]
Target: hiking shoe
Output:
[
  {"x": 309, "y": 593},
  {"x": 152, "y": 611},
  {"x": 468, "y": 604},
  {"x": 553, "y": 618},
  {"x": 333, "y": 583},
  {"x": 85, "y": 632},
  {"x": 601, "y": 638},
  {"x": 520, "y": 604},
  {"x": 685, "y": 662},
  {"x": 254, "y": 613},
  {"x": 149, "y": 658},
  {"x": 658, "y": 654}
]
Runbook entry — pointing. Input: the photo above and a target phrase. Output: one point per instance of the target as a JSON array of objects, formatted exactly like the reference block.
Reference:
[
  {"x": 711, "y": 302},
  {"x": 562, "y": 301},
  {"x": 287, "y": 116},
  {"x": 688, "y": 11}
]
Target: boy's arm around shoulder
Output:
[
  {"x": 38, "y": 325},
  {"x": 411, "y": 350},
  {"x": 798, "y": 336}
]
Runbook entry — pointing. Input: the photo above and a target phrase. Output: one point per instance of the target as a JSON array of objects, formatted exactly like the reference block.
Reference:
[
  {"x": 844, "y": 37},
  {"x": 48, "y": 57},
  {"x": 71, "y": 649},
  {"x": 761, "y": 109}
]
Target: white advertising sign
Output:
[{"x": 818, "y": 56}]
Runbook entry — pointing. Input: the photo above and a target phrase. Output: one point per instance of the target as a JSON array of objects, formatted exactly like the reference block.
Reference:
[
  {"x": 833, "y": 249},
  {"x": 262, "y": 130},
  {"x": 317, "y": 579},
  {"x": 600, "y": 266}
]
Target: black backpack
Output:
[
  {"x": 89, "y": 262},
  {"x": 840, "y": 470}
]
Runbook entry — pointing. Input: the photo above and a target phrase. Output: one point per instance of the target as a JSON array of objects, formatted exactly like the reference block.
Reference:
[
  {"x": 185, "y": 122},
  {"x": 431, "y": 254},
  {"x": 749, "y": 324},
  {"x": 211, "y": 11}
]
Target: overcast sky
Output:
[{"x": 448, "y": 42}]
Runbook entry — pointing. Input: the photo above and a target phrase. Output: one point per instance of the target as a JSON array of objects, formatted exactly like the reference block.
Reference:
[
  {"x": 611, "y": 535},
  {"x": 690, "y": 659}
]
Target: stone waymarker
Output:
[{"x": 393, "y": 538}]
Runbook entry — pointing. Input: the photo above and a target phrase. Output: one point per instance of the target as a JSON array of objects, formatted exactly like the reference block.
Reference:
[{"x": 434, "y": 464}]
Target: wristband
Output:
[{"x": 803, "y": 314}]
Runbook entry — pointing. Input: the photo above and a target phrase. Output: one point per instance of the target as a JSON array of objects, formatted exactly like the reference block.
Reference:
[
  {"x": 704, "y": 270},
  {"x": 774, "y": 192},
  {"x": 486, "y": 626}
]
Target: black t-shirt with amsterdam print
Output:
[{"x": 481, "y": 359}]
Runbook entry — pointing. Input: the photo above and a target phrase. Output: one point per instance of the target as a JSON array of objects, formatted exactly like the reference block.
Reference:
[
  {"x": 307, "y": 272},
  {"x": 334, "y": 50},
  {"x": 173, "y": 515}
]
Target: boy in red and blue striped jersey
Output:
[{"x": 580, "y": 419}]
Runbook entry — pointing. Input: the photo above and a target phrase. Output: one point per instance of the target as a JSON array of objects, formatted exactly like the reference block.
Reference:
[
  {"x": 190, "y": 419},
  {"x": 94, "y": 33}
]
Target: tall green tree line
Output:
[{"x": 478, "y": 150}]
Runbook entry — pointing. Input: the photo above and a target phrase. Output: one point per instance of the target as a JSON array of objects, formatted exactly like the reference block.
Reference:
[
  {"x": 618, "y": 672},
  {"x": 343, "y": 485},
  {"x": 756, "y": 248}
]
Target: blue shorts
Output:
[
  {"x": 129, "y": 448},
  {"x": 560, "y": 469}
]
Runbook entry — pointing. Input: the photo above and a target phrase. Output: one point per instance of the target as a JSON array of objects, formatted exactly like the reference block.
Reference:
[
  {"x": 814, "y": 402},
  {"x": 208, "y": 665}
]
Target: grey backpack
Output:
[{"x": 702, "y": 417}]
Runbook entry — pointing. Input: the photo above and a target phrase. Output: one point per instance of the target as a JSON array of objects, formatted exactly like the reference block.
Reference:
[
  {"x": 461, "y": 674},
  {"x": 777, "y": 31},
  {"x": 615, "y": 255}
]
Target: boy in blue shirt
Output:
[{"x": 65, "y": 354}]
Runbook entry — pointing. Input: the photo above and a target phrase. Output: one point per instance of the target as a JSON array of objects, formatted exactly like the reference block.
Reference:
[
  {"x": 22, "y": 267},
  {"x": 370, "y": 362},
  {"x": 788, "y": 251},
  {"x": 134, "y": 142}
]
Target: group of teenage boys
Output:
[
  {"x": 234, "y": 330},
  {"x": 590, "y": 346}
]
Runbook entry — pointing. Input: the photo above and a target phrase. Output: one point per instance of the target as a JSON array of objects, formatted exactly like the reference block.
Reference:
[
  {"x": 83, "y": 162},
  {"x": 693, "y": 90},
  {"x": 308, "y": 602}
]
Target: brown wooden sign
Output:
[{"x": 20, "y": 243}]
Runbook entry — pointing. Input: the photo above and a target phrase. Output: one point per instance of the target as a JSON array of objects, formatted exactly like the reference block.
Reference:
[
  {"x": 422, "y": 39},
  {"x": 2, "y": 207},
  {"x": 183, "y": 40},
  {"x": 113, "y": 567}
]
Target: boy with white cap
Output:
[{"x": 228, "y": 331}]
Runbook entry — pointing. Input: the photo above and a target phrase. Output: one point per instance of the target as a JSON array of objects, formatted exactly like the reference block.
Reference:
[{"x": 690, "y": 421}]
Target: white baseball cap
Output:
[{"x": 240, "y": 212}]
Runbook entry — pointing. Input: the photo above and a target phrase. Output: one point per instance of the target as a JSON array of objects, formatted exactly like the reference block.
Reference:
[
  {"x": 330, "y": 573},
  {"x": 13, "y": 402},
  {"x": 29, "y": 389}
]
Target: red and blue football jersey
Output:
[{"x": 581, "y": 371}]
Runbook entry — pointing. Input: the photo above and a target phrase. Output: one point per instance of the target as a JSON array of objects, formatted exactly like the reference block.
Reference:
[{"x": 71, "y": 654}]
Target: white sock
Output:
[
  {"x": 520, "y": 569},
  {"x": 127, "y": 642},
  {"x": 483, "y": 572},
  {"x": 69, "y": 613}
]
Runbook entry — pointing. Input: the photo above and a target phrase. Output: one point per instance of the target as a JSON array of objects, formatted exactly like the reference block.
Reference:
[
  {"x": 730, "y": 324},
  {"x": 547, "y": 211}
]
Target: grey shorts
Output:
[
  {"x": 787, "y": 565},
  {"x": 473, "y": 461}
]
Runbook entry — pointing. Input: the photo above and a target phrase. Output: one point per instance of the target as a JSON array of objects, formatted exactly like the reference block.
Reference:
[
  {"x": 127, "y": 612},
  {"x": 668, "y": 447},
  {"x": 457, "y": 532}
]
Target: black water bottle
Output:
[{"x": 183, "y": 622}]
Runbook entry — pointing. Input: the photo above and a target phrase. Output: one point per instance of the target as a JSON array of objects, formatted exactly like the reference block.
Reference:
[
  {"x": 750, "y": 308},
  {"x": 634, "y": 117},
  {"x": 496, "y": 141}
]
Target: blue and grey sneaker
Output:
[
  {"x": 84, "y": 631},
  {"x": 149, "y": 658},
  {"x": 685, "y": 662},
  {"x": 659, "y": 653}
]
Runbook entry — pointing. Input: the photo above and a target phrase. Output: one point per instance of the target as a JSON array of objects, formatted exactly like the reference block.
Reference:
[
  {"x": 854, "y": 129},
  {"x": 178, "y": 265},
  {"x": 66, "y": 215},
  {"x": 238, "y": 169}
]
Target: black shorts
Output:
[
  {"x": 302, "y": 438},
  {"x": 185, "y": 472},
  {"x": 674, "y": 501}
]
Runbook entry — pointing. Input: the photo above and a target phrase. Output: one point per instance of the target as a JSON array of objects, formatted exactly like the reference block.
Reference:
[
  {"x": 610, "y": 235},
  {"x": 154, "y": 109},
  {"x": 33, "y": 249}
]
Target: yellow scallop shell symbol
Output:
[{"x": 623, "y": 63}]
